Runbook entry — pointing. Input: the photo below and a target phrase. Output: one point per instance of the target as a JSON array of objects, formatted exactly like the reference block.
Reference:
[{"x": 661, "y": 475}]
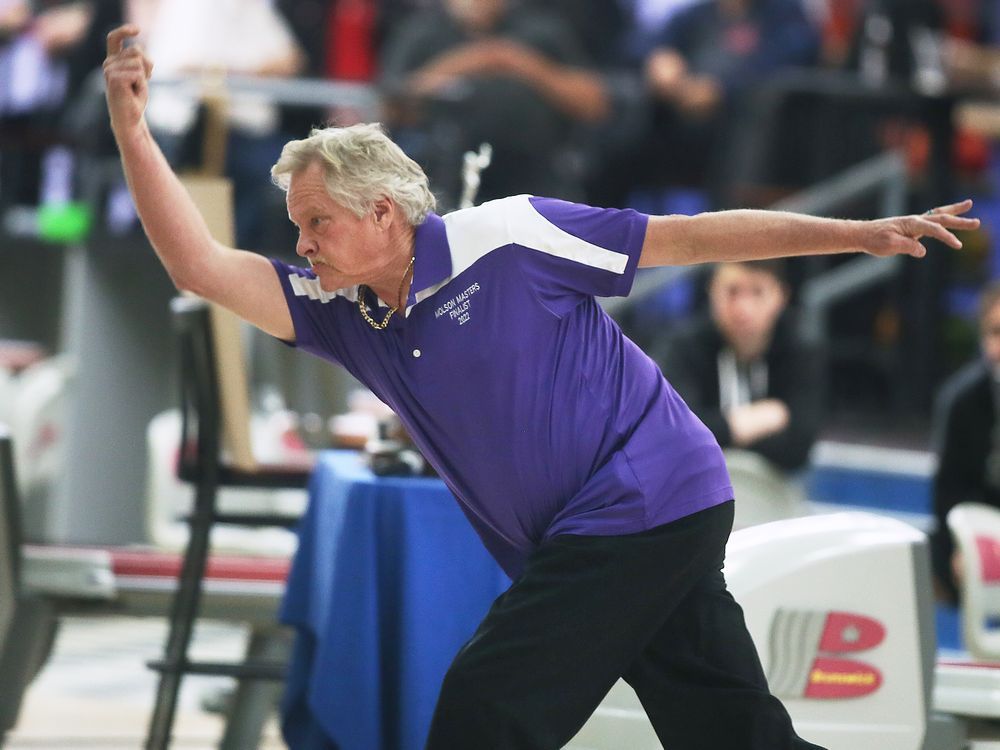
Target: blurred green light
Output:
[{"x": 65, "y": 223}]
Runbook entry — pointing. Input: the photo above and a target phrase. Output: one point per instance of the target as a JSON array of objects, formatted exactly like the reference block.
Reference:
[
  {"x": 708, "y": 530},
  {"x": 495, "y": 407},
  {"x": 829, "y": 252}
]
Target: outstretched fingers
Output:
[
  {"x": 942, "y": 221},
  {"x": 927, "y": 227},
  {"x": 952, "y": 209},
  {"x": 902, "y": 234},
  {"x": 953, "y": 222}
]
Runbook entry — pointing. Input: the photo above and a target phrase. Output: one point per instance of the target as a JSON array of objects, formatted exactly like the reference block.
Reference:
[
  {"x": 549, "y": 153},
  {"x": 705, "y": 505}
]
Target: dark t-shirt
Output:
[
  {"x": 689, "y": 358},
  {"x": 525, "y": 130},
  {"x": 775, "y": 34}
]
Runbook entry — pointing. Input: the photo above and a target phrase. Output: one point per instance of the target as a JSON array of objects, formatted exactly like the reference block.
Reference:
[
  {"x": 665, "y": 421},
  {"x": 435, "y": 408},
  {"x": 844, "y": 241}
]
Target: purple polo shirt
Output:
[{"x": 535, "y": 409}]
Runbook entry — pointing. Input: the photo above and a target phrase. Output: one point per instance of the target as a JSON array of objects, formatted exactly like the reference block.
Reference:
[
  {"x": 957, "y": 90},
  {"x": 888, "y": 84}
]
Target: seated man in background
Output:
[
  {"x": 707, "y": 61},
  {"x": 747, "y": 374},
  {"x": 485, "y": 71},
  {"x": 967, "y": 440}
]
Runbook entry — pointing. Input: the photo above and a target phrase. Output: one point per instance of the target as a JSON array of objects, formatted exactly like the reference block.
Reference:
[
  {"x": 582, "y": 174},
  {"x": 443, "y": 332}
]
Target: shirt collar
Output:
[{"x": 433, "y": 258}]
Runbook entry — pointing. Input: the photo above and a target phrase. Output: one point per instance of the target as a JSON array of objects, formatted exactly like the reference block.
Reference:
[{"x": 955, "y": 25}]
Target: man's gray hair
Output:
[{"x": 360, "y": 164}]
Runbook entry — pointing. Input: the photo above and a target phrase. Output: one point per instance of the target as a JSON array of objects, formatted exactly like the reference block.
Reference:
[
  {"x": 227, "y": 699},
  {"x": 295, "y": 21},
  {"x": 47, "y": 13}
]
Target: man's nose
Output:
[{"x": 744, "y": 305}]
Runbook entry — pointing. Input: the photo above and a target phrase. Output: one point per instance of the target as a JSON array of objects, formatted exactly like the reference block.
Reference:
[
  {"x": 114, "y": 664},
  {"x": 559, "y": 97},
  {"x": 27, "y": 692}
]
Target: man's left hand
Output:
[{"x": 900, "y": 235}]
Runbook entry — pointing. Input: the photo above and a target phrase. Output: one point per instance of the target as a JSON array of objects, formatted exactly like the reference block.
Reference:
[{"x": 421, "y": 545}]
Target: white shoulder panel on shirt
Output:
[
  {"x": 475, "y": 232},
  {"x": 306, "y": 287}
]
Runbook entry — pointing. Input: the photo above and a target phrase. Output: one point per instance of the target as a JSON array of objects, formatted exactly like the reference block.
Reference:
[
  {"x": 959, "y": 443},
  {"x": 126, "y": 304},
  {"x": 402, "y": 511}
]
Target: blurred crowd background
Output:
[
  {"x": 849, "y": 108},
  {"x": 667, "y": 106}
]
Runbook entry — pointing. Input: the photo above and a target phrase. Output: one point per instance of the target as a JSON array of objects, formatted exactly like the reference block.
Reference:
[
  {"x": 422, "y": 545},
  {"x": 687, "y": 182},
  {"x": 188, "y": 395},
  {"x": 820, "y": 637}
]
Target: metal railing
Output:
[
  {"x": 883, "y": 175},
  {"x": 295, "y": 92}
]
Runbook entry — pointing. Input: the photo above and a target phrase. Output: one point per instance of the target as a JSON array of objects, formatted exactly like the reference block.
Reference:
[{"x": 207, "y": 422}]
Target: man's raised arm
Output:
[
  {"x": 753, "y": 235},
  {"x": 240, "y": 281}
]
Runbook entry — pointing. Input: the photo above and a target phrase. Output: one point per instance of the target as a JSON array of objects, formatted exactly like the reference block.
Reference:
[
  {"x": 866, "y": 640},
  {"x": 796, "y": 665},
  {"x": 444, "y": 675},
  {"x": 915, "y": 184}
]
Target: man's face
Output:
[
  {"x": 989, "y": 336},
  {"x": 342, "y": 248},
  {"x": 746, "y": 304}
]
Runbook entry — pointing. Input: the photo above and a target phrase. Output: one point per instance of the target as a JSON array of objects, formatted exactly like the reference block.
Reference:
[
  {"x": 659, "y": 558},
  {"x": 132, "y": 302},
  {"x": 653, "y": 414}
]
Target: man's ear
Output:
[{"x": 383, "y": 212}]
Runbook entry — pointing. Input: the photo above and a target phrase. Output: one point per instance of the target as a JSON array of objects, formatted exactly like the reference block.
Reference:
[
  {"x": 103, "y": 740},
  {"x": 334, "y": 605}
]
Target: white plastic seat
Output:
[
  {"x": 763, "y": 492},
  {"x": 35, "y": 413},
  {"x": 169, "y": 501},
  {"x": 971, "y": 686},
  {"x": 976, "y": 529}
]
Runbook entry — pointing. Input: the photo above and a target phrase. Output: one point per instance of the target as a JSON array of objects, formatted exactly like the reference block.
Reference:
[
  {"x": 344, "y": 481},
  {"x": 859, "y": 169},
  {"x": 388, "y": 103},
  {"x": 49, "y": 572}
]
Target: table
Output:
[{"x": 388, "y": 582}]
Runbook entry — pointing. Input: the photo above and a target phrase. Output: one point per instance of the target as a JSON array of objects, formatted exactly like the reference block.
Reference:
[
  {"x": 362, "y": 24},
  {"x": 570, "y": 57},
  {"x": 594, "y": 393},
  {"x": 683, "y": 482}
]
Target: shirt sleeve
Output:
[
  {"x": 314, "y": 312},
  {"x": 573, "y": 251}
]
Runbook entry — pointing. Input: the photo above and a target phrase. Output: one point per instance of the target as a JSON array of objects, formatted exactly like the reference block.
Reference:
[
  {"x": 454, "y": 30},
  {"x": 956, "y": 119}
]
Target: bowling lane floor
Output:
[{"x": 95, "y": 692}]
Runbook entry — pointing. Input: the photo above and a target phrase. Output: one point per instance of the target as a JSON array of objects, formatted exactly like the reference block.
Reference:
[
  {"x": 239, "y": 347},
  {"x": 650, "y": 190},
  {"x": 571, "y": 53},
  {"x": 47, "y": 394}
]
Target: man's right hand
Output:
[
  {"x": 755, "y": 421},
  {"x": 665, "y": 73},
  {"x": 126, "y": 76}
]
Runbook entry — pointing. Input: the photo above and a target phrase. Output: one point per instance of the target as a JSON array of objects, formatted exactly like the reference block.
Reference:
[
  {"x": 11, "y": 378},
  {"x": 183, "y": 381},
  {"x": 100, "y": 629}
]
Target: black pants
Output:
[{"x": 652, "y": 608}]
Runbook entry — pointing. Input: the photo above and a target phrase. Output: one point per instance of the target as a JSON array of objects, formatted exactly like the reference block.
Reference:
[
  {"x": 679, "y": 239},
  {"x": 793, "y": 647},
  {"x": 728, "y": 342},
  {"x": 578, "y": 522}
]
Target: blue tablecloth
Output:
[{"x": 388, "y": 582}]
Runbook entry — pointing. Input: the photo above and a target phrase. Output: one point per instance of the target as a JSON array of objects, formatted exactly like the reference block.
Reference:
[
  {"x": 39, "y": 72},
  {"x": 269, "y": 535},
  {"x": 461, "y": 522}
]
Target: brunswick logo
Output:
[{"x": 807, "y": 649}]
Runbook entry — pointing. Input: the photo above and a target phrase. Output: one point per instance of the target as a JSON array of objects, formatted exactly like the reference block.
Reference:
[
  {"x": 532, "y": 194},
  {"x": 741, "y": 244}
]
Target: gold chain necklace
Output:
[{"x": 399, "y": 296}]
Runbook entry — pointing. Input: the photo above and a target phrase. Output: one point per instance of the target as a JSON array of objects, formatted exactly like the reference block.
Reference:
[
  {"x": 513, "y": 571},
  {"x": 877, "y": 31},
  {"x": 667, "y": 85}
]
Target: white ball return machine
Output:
[{"x": 840, "y": 608}]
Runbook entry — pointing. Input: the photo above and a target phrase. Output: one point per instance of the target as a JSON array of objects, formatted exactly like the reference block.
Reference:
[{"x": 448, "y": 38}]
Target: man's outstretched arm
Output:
[
  {"x": 240, "y": 281},
  {"x": 754, "y": 235}
]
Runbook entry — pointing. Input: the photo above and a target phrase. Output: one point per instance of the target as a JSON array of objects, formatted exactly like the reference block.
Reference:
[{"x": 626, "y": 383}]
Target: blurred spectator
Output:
[
  {"x": 47, "y": 49},
  {"x": 744, "y": 370},
  {"x": 708, "y": 58},
  {"x": 191, "y": 37},
  {"x": 339, "y": 39},
  {"x": 393, "y": 13},
  {"x": 599, "y": 25},
  {"x": 486, "y": 71},
  {"x": 838, "y": 20},
  {"x": 972, "y": 49},
  {"x": 647, "y": 20},
  {"x": 971, "y": 65},
  {"x": 654, "y": 14},
  {"x": 967, "y": 439},
  {"x": 899, "y": 40}
]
